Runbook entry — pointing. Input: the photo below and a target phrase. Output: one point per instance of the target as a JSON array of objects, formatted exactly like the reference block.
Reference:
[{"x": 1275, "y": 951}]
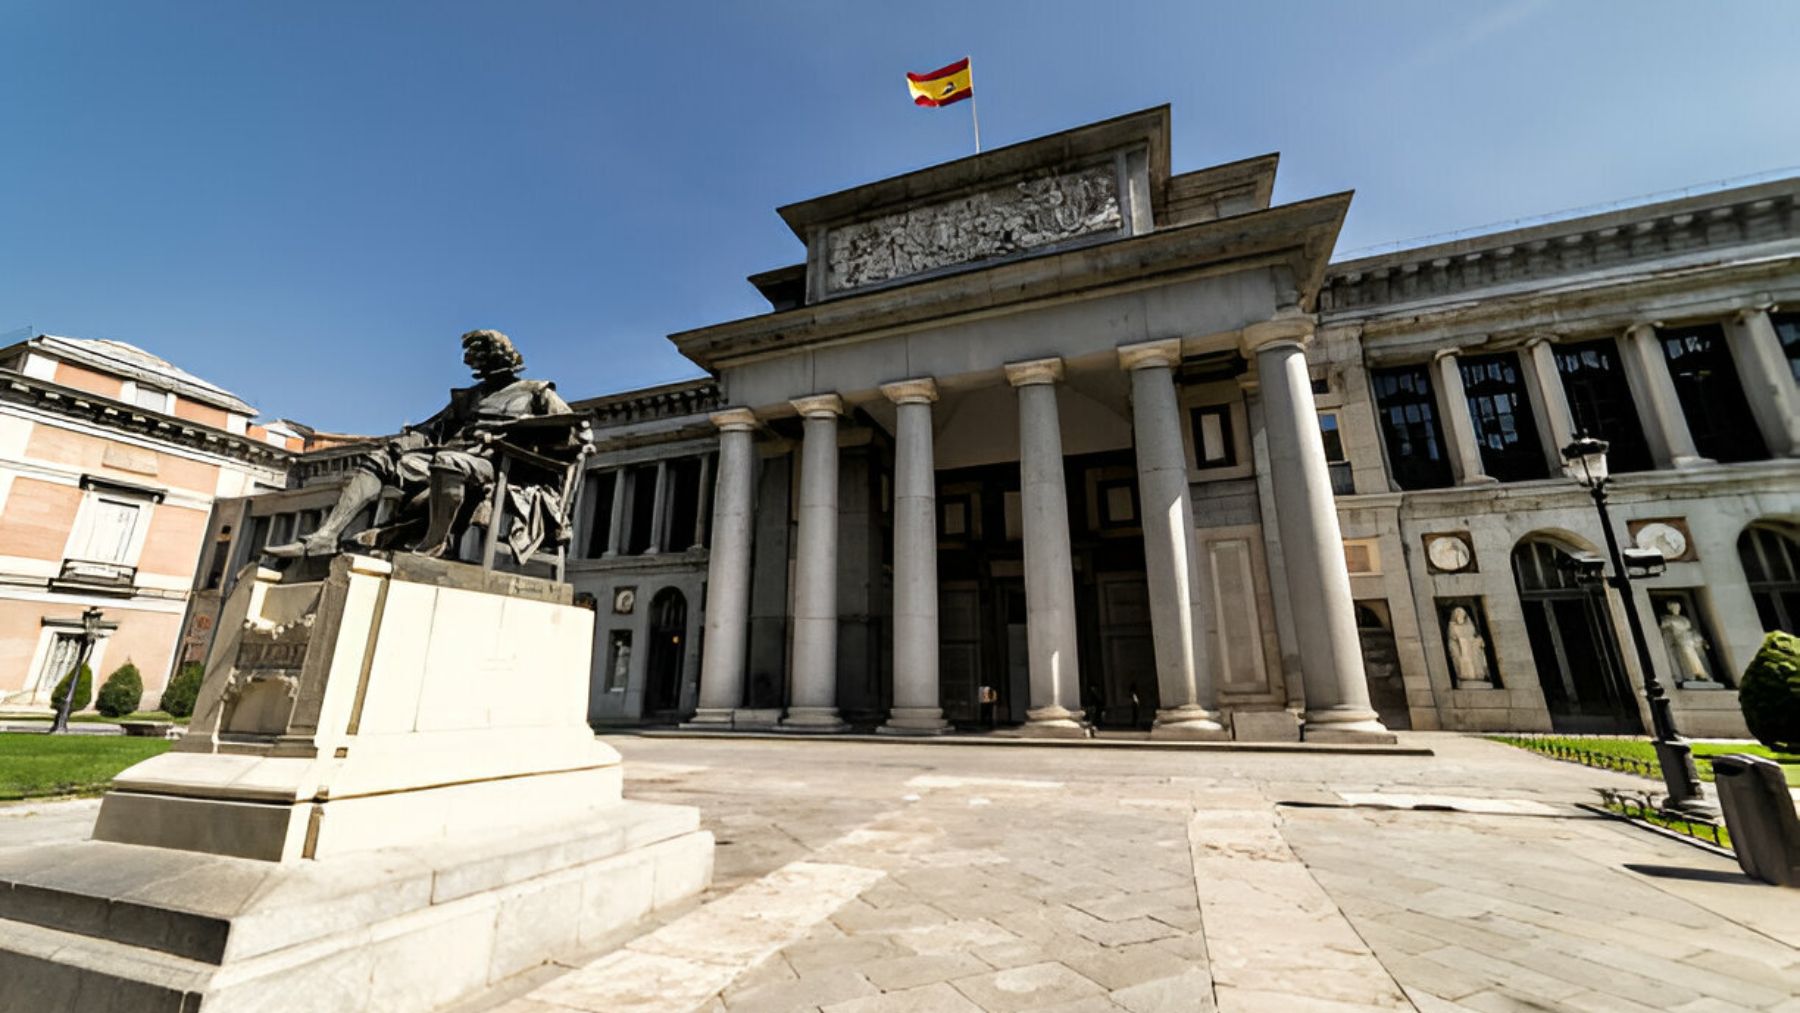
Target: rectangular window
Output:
[
  {"x": 618, "y": 661},
  {"x": 1332, "y": 435},
  {"x": 640, "y": 509},
  {"x": 1118, "y": 504},
  {"x": 1500, "y": 410},
  {"x": 1600, "y": 401},
  {"x": 64, "y": 649},
  {"x": 600, "y": 503},
  {"x": 953, "y": 517},
  {"x": 1787, "y": 331},
  {"x": 683, "y": 503},
  {"x": 1712, "y": 399},
  {"x": 1213, "y": 445},
  {"x": 111, "y": 525},
  {"x": 1409, "y": 426},
  {"x": 151, "y": 398},
  {"x": 221, "y": 557}
]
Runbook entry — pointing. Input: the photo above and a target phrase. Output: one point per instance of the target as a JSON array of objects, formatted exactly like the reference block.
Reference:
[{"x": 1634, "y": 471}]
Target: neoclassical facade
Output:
[{"x": 1054, "y": 438}]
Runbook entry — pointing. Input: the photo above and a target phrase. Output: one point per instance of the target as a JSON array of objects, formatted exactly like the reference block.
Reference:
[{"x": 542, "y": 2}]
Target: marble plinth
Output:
[{"x": 388, "y": 798}]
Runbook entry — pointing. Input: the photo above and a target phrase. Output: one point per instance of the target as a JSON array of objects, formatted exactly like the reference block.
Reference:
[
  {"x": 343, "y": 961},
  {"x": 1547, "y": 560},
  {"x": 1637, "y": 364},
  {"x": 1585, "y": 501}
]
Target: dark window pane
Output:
[
  {"x": 600, "y": 500},
  {"x": 1409, "y": 427},
  {"x": 1601, "y": 403},
  {"x": 1332, "y": 436},
  {"x": 1787, "y": 329},
  {"x": 1771, "y": 561},
  {"x": 1500, "y": 411},
  {"x": 684, "y": 502},
  {"x": 1706, "y": 381},
  {"x": 640, "y": 516}
]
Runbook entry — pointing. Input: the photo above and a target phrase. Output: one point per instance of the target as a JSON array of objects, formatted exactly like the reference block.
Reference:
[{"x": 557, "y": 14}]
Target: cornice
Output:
[
  {"x": 1687, "y": 228},
  {"x": 688, "y": 397},
  {"x": 107, "y": 413},
  {"x": 1300, "y": 234}
]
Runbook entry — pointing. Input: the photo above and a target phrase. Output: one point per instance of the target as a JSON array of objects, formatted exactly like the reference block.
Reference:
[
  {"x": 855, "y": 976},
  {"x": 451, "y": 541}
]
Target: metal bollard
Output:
[{"x": 1759, "y": 814}]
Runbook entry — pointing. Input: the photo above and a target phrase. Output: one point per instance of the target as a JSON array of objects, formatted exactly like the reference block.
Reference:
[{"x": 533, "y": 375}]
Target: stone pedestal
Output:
[{"x": 388, "y": 798}]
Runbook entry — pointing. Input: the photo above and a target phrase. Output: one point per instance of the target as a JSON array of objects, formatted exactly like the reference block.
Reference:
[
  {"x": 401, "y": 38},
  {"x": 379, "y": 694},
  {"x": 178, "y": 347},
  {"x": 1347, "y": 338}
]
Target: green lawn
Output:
[
  {"x": 32, "y": 766},
  {"x": 1640, "y": 749}
]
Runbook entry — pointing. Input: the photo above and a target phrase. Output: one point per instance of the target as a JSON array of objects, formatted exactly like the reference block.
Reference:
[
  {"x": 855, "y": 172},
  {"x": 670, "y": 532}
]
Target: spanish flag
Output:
[{"x": 942, "y": 87}]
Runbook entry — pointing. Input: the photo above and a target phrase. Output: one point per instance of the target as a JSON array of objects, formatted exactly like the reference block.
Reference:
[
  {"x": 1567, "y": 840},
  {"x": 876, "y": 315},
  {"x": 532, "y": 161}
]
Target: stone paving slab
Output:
[{"x": 1143, "y": 880}]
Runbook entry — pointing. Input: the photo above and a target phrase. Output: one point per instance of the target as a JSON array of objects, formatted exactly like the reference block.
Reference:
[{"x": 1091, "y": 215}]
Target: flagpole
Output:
[{"x": 974, "y": 118}]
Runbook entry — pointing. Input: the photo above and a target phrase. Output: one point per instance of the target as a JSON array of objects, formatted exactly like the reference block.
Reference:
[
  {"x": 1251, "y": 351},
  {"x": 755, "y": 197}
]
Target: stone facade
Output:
[
  {"x": 110, "y": 461},
  {"x": 1146, "y": 459}
]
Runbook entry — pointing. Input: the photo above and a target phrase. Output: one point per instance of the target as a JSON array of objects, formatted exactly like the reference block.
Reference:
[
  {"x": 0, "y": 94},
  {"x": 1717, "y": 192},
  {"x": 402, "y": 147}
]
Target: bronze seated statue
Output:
[{"x": 504, "y": 455}]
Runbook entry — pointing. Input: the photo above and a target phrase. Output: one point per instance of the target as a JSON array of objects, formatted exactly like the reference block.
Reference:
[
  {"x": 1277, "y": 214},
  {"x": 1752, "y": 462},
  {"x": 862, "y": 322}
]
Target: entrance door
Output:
[
  {"x": 959, "y": 651},
  {"x": 1127, "y": 685},
  {"x": 1572, "y": 643},
  {"x": 662, "y": 673}
]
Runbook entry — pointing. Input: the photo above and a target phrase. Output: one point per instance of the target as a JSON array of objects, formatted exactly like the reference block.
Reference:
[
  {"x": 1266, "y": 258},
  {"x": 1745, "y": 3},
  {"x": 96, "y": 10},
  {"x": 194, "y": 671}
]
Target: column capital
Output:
[
  {"x": 818, "y": 405},
  {"x": 1445, "y": 353},
  {"x": 920, "y": 390},
  {"x": 734, "y": 420},
  {"x": 1541, "y": 338},
  {"x": 1284, "y": 328},
  {"x": 1644, "y": 325},
  {"x": 1034, "y": 371},
  {"x": 1149, "y": 354},
  {"x": 1747, "y": 312}
]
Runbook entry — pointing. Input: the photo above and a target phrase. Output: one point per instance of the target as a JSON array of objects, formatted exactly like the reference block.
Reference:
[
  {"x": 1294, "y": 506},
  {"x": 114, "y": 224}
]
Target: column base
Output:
[
  {"x": 915, "y": 721},
  {"x": 1055, "y": 723},
  {"x": 812, "y": 721},
  {"x": 1346, "y": 725},
  {"x": 756, "y": 719},
  {"x": 710, "y": 719},
  {"x": 1192, "y": 723}
]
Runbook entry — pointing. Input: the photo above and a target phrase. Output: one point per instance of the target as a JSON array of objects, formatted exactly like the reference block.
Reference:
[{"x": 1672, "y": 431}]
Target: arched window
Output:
[
  {"x": 1572, "y": 642},
  {"x": 1771, "y": 558}
]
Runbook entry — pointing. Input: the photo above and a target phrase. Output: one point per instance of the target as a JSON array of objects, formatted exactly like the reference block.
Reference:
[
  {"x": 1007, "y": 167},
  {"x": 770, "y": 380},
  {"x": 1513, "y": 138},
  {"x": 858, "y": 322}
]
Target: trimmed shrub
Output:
[
  {"x": 84, "y": 691},
  {"x": 1769, "y": 693},
  {"x": 178, "y": 696},
  {"x": 121, "y": 692}
]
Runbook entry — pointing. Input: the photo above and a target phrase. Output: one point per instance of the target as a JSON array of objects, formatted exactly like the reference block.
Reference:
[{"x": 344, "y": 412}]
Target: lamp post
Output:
[
  {"x": 1585, "y": 461},
  {"x": 90, "y": 632}
]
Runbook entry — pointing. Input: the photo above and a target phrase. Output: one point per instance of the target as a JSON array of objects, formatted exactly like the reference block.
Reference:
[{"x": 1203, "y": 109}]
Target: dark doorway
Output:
[
  {"x": 1572, "y": 644},
  {"x": 1381, "y": 664},
  {"x": 1122, "y": 691},
  {"x": 662, "y": 671}
]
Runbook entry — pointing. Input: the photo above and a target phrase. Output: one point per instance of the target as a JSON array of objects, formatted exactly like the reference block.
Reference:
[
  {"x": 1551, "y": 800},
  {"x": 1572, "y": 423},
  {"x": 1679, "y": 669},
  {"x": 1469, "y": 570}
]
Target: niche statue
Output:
[
  {"x": 1686, "y": 645},
  {"x": 504, "y": 434},
  {"x": 1468, "y": 650}
]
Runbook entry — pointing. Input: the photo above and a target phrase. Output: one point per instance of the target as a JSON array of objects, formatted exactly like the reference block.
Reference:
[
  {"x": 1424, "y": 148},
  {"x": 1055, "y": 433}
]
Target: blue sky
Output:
[{"x": 307, "y": 203}]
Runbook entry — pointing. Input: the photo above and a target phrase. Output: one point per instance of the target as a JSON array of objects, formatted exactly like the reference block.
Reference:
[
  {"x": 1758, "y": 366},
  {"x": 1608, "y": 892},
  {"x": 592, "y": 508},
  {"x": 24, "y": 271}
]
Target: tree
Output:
[
  {"x": 84, "y": 691},
  {"x": 1769, "y": 693},
  {"x": 179, "y": 695},
  {"x": 121, "y": 692}
]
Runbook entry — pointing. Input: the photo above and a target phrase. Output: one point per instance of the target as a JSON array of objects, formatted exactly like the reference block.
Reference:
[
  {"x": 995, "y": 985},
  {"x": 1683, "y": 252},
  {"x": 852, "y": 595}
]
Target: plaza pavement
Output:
[{"x": 863, "y": 877}]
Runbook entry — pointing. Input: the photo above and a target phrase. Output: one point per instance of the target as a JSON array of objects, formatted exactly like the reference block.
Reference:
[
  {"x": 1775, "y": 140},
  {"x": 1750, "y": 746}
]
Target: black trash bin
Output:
[{"x": 1759, "y": 813}]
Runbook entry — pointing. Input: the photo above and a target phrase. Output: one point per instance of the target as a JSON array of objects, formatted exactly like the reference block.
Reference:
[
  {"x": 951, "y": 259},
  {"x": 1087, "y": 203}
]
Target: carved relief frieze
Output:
[{"x": 981, "y": 226}]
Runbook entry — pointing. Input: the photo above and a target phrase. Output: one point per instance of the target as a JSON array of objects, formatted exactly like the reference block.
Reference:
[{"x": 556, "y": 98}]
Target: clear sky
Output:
[{"x": 308, "y": 202}]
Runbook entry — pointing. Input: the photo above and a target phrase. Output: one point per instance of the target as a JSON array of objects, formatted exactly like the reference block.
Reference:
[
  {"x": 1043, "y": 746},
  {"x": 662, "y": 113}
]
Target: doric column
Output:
[
  {"x": 703, "y": 508},
  {"x": 1184, "y": 678},
  {"x": 1667, "y": 423},
  {"x": 1552, "y": 399},
  {"x": 1312, "y": 546},
  {"x": 659, "y": 509},
  {"x": 813, "y": 675},
  {"x": 916, "y": 709},
  {"x": 1055, "y": 706},
  {"x": 1768, "y": 380},
  {"x": 615, "y": 525},
  {"x": 1459, "y": 429},
  {"x": 728, "y": 572}
]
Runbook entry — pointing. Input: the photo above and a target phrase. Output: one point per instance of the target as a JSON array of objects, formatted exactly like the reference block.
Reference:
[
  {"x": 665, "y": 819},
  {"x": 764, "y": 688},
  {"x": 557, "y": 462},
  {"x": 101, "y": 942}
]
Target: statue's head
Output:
[
  {"x": 490, "y": 353},
  {"x": 1674, "y": 608},
  {"x": 1459, "y": 615}
]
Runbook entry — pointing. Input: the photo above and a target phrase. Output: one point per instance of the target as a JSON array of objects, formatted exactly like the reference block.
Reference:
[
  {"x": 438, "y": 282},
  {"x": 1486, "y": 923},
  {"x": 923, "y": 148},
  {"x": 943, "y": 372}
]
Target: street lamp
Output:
[
  {"x": 90, "y": 633},
  {"x": 1585, "y": 461}
]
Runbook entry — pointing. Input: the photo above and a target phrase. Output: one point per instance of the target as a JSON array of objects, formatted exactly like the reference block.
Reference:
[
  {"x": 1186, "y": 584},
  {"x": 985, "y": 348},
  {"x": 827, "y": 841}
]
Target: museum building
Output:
[{"x": 1052, "y": 438}]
